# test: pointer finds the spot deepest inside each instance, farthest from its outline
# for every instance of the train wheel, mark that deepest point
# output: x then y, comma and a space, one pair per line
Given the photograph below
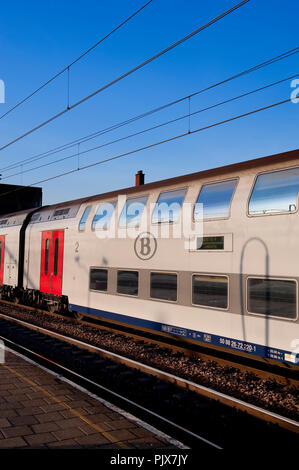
78, 315
51, 308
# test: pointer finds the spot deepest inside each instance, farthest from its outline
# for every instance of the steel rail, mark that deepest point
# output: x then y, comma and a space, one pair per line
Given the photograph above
253, 410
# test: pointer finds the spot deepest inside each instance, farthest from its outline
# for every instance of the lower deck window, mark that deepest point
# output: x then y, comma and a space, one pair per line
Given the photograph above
98, 279
127, 282
210, 291
273, 297
164, 286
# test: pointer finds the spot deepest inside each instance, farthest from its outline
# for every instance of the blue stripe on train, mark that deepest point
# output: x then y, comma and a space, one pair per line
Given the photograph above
222, 341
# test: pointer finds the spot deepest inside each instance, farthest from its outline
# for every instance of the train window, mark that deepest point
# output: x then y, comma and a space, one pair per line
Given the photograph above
275, 192
164, 286
56, 251
84, 218
168, 207
132, 212
61, 212
272, 297
127, 282
210, 291
47, 256
35, 217
98, 279
102, 218
210, 243
216, 199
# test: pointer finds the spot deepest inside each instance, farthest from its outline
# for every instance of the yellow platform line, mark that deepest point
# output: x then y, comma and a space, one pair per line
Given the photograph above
65, 405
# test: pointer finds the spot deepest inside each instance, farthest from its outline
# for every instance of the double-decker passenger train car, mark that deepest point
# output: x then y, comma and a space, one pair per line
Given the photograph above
121, 257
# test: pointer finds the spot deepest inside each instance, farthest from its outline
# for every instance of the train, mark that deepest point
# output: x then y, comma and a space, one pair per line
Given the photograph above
210, 257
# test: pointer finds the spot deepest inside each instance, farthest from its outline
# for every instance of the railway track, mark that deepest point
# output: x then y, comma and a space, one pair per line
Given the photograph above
189, 412
263, 369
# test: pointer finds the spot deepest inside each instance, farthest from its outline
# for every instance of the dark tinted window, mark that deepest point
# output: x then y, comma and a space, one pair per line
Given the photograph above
98, 279
272, 297
56, 251
47, 256
210, 291
60, 212
127, 282
164, 286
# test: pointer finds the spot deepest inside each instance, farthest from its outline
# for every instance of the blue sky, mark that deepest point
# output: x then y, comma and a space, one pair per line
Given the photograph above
38, 39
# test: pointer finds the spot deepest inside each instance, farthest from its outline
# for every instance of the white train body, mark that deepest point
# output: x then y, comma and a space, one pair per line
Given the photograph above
249, 258
10, 231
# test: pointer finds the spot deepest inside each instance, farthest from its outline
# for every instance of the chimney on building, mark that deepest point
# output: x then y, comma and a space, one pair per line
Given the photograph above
139, 178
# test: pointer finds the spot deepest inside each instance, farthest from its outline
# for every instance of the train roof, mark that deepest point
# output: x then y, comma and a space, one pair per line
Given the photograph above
219, 171
15, 218
214, 172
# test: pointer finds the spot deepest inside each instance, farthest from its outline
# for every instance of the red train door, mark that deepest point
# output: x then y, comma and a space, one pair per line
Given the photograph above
52, 262
57, 262
46, 262
2, 245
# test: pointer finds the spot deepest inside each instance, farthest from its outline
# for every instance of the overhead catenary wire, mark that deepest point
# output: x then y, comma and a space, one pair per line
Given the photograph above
93, 135
131, 71
67, 68
149, 146
143, 131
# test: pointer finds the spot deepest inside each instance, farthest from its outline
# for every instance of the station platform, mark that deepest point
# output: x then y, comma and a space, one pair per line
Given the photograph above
40, 410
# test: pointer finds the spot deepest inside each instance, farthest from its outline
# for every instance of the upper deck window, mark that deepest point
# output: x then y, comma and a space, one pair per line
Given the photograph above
102, 218
168, 207
61, 212
132, 212
84, 218
275, 192
216, 199
35, 217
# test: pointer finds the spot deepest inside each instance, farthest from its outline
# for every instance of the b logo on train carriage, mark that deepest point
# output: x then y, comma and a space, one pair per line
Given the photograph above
145, 246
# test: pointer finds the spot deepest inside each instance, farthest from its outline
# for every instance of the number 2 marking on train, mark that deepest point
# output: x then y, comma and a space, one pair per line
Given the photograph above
77, 247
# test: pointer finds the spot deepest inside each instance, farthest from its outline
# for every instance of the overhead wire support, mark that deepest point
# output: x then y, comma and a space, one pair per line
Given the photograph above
89, 137
84, 139
67, 68
131, 71
155, 144
158, 126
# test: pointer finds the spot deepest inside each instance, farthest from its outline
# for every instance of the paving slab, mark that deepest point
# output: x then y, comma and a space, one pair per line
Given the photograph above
37, 409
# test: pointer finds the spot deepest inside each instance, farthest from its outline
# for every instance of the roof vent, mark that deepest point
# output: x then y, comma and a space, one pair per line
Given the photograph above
139, 178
